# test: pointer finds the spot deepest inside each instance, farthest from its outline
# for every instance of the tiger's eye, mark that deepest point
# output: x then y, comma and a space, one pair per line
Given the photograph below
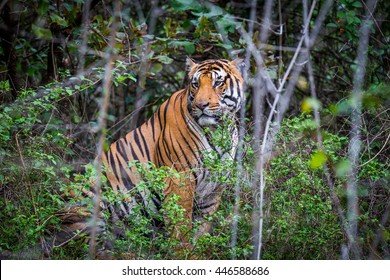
217, 83
195, 84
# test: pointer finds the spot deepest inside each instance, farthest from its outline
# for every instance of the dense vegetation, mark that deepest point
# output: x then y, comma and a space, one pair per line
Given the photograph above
322, 189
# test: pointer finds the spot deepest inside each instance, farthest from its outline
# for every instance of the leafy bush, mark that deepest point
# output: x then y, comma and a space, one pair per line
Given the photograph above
34, 148
302, 220
31, 171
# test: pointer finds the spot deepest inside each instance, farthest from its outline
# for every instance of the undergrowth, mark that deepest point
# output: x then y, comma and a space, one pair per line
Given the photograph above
301, 221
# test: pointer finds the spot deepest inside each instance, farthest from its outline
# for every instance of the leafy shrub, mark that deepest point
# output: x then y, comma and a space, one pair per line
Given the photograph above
302, 221
34, 146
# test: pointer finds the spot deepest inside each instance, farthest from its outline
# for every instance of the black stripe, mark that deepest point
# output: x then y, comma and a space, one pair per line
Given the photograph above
174, 150
136, 139
231, 86
190, 147
112, 165
122, 150
156, 199
232, 98
184, 154
195, 135
224, 79
160, 119
140, 200
191, 131
158, 156
127, 205
165, 150
152, 125
128, 183
199, 140
166, 109
214, 63
238, 86
205, 206
145, 145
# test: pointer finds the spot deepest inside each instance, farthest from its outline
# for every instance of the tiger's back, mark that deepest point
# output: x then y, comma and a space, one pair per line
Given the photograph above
165, 140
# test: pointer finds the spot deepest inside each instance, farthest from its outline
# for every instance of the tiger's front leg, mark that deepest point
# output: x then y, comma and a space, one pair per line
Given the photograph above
178, 208
209, 191
205, 224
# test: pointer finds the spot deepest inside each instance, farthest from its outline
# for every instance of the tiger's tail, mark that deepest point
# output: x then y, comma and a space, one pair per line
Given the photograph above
75, 223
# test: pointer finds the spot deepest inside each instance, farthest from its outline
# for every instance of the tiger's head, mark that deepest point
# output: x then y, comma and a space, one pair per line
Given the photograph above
215, 89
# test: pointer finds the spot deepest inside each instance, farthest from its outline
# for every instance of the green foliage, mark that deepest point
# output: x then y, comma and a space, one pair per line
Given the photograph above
31, 170
33, 144
302, 221
50, 125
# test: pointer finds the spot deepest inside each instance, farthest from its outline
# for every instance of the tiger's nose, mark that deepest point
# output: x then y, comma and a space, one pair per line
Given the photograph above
202, 105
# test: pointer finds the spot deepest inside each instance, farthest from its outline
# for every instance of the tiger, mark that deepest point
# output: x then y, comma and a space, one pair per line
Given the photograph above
174, 137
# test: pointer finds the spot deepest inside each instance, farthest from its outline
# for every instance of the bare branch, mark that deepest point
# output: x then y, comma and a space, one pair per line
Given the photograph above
355, 140
106, 88
241, 133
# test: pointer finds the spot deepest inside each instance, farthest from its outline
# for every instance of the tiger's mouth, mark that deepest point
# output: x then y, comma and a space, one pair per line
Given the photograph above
207, 117
208, 120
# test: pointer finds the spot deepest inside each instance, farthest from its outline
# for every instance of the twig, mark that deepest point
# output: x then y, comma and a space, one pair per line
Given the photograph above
85, 31
241, 133
30, 190
377, 154
328, 178
379, 233
354, 148
107, 81
27, 177
280, 60
267, 142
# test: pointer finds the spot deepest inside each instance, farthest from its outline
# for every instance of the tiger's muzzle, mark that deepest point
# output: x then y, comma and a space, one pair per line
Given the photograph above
205, 116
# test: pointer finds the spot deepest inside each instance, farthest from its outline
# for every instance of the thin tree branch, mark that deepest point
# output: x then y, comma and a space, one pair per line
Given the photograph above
241, 134
354, 148
267, 143
106, 88
334, 198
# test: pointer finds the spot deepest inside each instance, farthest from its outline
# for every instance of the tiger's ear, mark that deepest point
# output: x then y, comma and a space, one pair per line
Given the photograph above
190, 63
239, 64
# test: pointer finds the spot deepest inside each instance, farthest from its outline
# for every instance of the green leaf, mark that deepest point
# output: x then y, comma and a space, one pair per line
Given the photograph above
309, 104
186, 5
157, 67
344, 107
271, 73
188, 46
161, 39
42, 33
228, 23
69, 91
186, 25
317, 160
148, 36
343, 167
226, 46
331, 25
357, 4
213, 12
131, 77
164, 59
59, 20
